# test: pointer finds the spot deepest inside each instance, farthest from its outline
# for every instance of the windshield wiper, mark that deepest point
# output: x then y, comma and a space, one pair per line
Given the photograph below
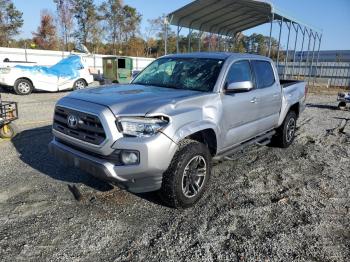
143, 84
168, 86
157, 84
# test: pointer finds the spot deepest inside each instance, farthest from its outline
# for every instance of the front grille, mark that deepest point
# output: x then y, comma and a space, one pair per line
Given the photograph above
87, 128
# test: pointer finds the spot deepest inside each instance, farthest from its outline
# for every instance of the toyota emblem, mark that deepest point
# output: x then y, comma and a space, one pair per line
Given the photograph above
72, 121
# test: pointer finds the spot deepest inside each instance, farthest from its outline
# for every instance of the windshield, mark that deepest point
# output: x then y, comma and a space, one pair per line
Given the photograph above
182, 73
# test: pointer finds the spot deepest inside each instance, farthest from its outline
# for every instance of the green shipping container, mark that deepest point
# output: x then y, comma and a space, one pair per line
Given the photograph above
117, 69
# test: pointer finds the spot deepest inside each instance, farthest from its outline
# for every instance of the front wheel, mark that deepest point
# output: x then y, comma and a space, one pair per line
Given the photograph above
187, 177
8, 131
79, 84
23, 87
286, 132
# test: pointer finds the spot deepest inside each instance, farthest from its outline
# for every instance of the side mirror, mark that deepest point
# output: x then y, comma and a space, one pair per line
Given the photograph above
244, 86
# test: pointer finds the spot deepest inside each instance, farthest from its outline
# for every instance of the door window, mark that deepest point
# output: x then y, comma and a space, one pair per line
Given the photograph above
264, 74
121, 63
239, 72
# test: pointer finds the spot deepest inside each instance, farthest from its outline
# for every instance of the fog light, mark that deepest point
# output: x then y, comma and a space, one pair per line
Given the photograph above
130, 157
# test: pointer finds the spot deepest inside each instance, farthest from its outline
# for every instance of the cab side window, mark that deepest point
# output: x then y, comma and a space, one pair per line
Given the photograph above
239, 72
264, 74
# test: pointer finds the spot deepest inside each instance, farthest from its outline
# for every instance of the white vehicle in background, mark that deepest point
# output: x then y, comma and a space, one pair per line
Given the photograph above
70, 73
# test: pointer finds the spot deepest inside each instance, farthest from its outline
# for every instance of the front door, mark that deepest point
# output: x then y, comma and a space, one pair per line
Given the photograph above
240, 111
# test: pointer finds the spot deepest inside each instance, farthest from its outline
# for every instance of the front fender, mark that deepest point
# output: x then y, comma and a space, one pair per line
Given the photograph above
194, 127
193, 116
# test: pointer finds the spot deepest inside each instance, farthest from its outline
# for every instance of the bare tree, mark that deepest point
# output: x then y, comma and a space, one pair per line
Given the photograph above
65, 19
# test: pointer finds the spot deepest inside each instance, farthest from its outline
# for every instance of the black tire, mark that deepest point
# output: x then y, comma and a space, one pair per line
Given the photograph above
79, 84
174, 179
23, 87
10, 131
342, 105
286, 132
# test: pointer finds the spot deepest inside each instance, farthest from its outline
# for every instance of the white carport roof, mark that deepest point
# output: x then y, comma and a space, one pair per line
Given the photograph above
226, 17
229, 17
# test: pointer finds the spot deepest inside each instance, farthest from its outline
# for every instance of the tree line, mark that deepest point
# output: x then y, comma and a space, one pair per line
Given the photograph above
113, 27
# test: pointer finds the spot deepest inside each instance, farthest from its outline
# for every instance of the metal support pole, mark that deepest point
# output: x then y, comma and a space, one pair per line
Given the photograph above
224, 44
210, 38
318, 54
347, 82
313, 56
189, 39
295, 46
279, 43
332, 67
200, 41
227, 44
287, 51
177, 39
270, 39
166, 22
219, 43
234, 38
25, 51
308, 52
231, 45
302, 51
343, 79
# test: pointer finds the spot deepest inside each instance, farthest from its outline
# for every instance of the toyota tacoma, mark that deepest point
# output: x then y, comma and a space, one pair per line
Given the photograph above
162, 131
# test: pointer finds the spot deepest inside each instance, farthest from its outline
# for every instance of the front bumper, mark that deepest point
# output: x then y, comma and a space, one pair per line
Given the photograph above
155, 157
6, 80
3, 81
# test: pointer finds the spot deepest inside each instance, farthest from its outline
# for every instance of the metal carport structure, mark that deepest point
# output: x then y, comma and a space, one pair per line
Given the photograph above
227, 18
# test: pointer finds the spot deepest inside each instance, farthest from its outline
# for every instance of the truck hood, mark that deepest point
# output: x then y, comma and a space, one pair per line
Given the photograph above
133, 99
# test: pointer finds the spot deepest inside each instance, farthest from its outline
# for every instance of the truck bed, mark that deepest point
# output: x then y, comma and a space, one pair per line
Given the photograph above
286, 83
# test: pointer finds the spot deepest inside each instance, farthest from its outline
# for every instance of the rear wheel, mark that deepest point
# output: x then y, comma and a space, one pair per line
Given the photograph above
23, 87
286, 132
79, 84
187, 177
342, 105
8, 131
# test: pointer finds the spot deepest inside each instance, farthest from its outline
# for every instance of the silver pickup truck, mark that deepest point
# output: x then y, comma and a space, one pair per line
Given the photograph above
162, 131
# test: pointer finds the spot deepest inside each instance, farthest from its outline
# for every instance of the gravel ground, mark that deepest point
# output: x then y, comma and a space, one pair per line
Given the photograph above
266, 204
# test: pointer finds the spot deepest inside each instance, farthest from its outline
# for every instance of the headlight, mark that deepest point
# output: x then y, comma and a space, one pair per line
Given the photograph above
141, 126
5, 70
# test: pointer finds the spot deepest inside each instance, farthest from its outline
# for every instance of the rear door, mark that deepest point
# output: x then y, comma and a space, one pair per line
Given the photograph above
268, 95
240, 113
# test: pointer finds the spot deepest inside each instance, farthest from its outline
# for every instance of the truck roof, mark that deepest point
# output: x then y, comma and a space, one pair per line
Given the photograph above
218, 55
